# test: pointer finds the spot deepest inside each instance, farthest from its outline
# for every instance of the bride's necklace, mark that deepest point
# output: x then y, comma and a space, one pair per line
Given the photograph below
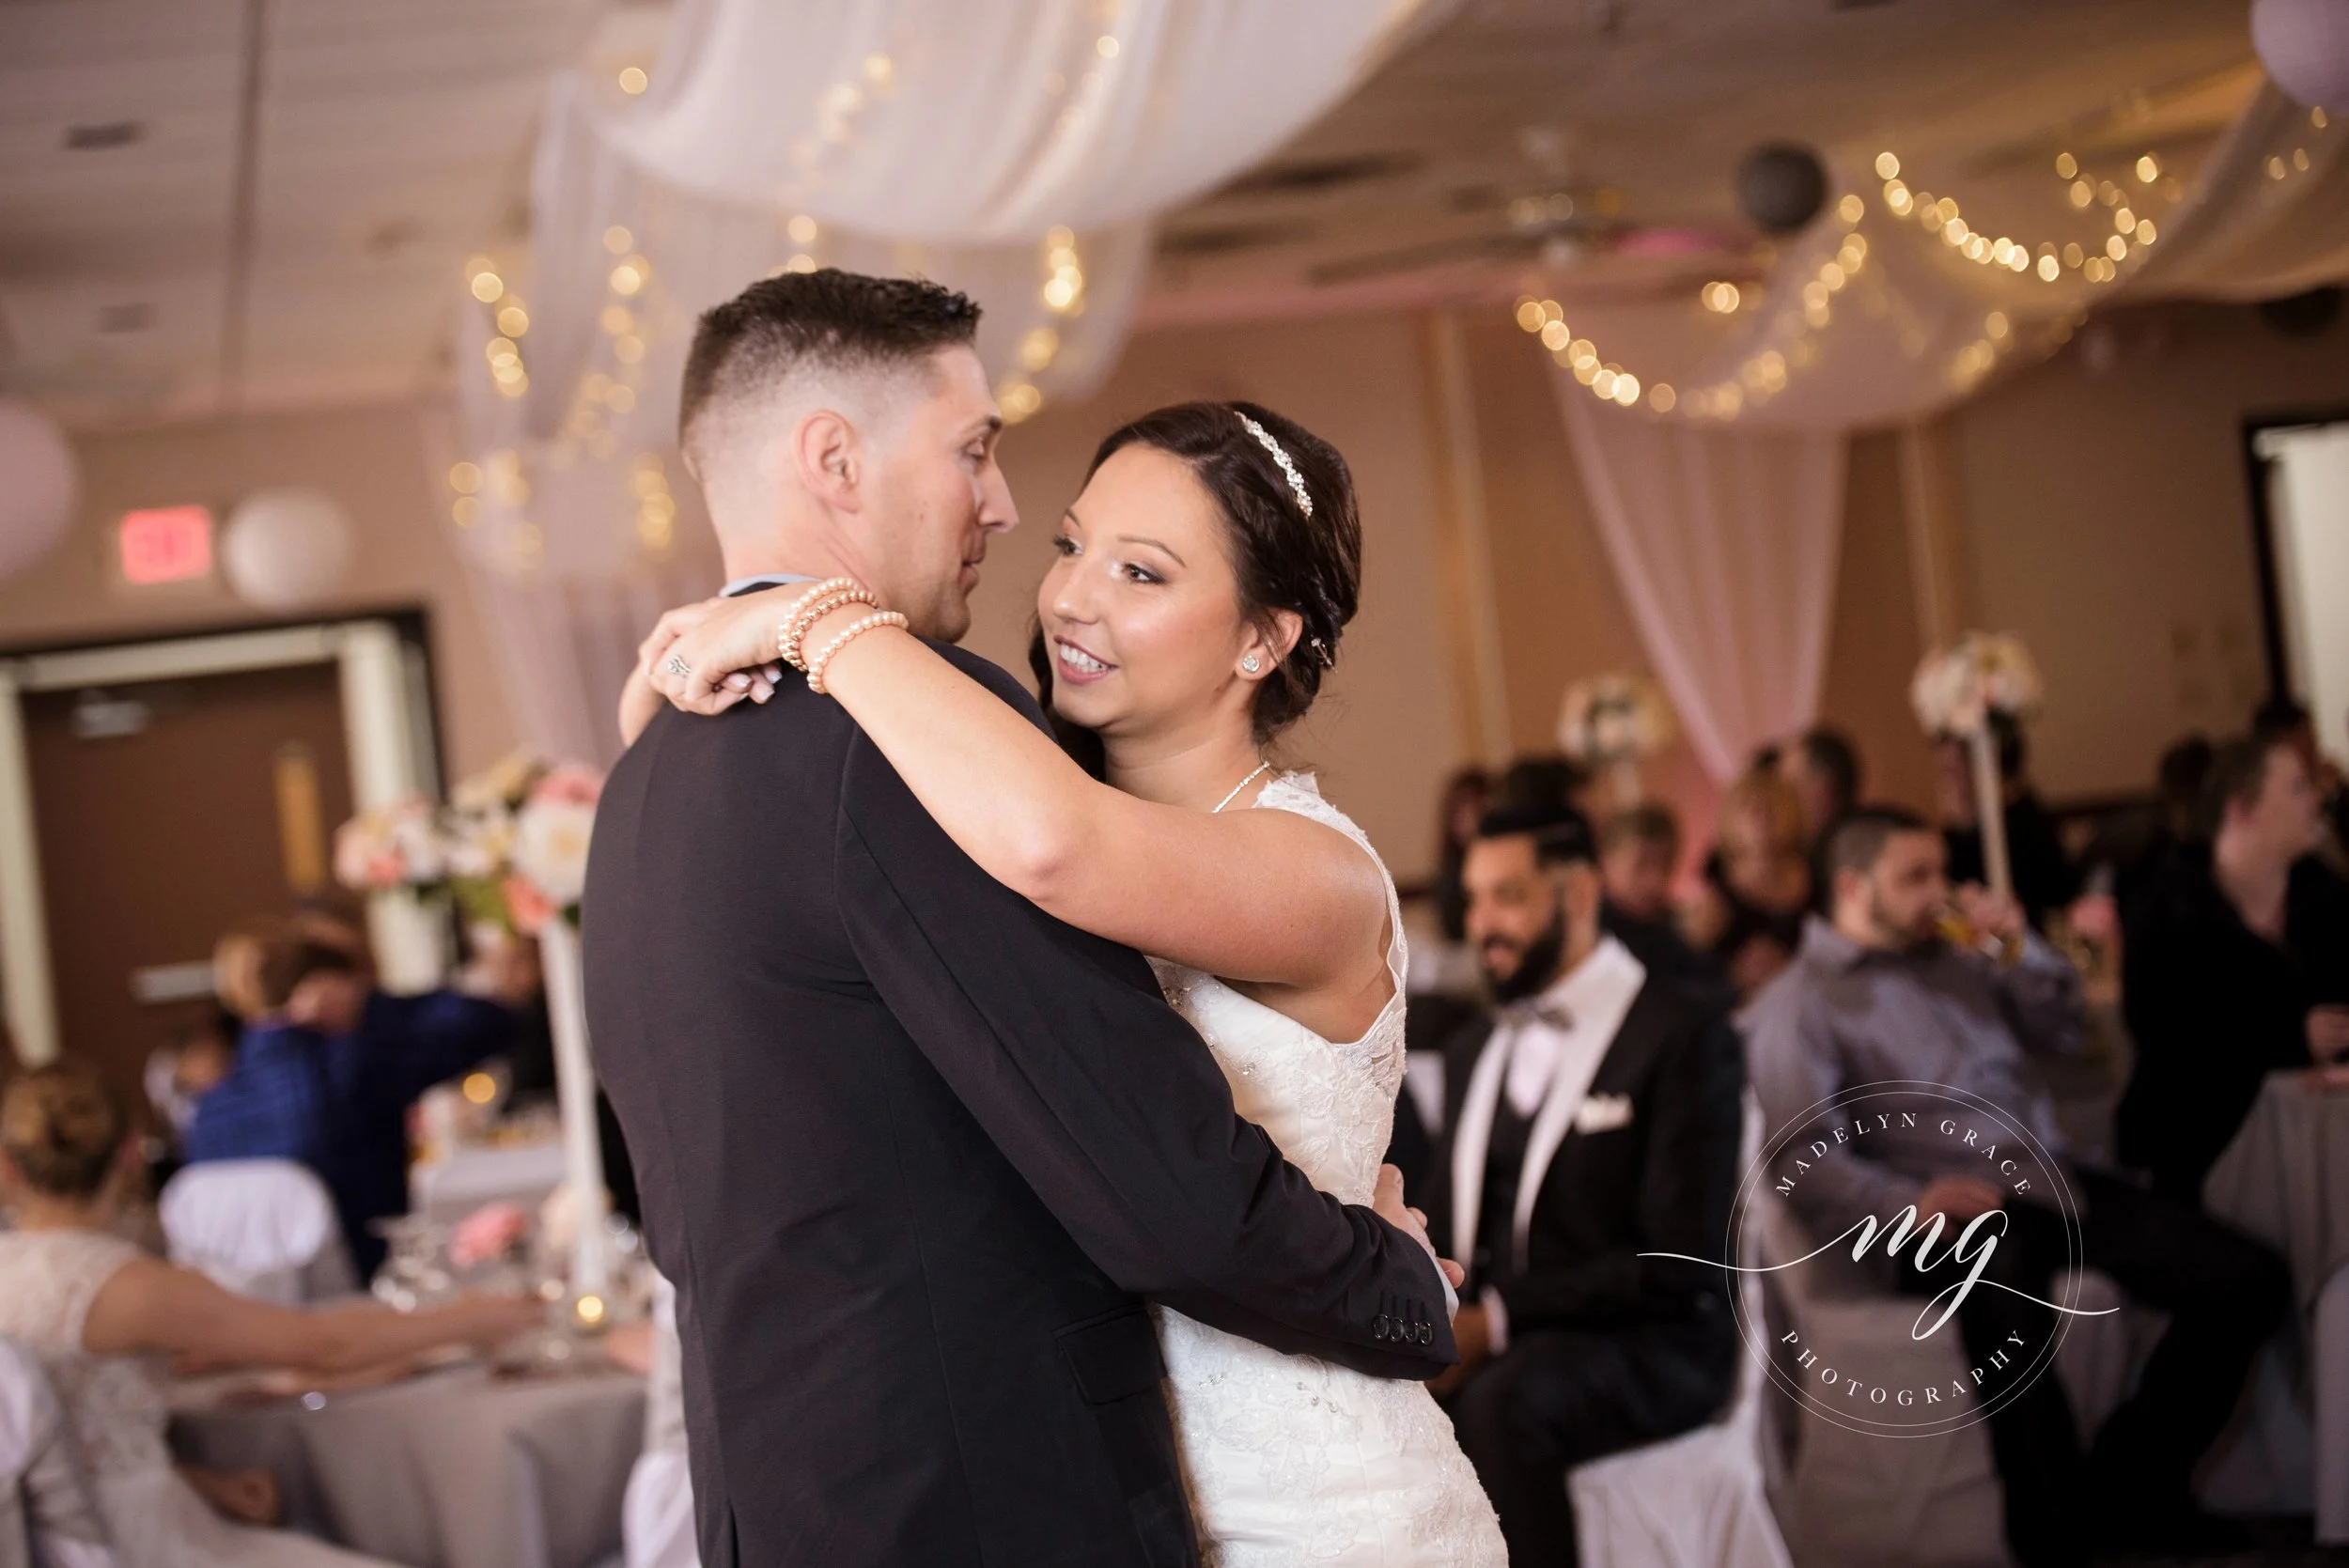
1261, 768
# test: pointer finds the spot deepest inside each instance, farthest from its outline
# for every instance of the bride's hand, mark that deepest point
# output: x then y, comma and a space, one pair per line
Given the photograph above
705, 658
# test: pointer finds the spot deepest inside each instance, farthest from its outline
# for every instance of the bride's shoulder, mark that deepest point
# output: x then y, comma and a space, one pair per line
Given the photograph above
1299, 792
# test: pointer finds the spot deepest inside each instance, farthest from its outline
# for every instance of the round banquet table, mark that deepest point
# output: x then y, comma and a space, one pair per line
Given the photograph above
2285, 1180
456, 1469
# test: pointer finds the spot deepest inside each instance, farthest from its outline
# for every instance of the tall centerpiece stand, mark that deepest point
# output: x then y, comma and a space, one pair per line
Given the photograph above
1955, 693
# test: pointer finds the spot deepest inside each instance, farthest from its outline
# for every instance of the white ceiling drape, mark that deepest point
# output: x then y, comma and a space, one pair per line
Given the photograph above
1725, 543
973, 121
1015, 149
1721, 514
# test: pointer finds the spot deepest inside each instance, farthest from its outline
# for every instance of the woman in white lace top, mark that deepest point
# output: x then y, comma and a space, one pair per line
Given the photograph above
1204, 578
102, 1316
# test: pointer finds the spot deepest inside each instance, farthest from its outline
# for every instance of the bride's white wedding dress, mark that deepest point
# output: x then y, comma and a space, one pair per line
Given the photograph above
1291, 1460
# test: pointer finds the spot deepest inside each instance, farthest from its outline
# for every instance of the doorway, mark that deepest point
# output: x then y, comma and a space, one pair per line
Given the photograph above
153, 793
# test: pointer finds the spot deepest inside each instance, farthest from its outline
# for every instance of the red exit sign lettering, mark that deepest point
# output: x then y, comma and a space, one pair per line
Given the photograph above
165, 544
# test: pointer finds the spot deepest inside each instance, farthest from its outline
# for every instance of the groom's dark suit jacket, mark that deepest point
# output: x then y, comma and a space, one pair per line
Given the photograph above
912, 1152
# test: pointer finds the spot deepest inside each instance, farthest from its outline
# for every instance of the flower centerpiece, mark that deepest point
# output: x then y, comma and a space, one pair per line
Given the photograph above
1958, 693
1607, 723
1958, 687
509, 849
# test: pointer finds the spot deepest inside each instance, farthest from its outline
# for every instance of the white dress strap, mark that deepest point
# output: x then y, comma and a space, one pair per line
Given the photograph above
1301, 792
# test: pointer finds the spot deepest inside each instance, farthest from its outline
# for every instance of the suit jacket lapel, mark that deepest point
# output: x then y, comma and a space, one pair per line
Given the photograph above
1473, 1135
1603, 992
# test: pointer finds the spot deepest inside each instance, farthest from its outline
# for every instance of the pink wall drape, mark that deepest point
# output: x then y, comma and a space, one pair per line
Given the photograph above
1725, 543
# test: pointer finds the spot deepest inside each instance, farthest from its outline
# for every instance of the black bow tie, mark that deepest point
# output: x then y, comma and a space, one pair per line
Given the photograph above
1533, 1010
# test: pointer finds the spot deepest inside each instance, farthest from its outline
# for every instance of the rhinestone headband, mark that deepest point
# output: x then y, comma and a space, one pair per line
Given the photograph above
1281, 455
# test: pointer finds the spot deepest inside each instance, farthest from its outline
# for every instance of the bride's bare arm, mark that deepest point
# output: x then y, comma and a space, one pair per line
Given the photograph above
1266, 896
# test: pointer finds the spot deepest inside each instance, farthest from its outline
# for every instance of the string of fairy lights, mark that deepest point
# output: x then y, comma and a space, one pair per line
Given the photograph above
609, 387
1790, 346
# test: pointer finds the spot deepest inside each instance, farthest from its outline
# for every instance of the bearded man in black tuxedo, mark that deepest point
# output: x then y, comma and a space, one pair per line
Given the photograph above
1595, 1118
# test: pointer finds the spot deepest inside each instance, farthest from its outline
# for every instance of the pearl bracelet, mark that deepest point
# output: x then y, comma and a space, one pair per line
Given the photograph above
849, 634
813, 606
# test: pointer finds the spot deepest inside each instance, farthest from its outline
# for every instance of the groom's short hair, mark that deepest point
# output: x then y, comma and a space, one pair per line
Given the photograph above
798, 325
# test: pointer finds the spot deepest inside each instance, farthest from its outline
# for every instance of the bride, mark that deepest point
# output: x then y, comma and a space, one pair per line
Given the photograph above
1204, 578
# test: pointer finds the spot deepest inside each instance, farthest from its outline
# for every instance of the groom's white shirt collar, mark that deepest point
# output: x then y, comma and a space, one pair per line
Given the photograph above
756, 581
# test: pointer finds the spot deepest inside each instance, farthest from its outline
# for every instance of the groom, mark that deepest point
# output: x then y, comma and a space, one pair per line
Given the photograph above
912, 1150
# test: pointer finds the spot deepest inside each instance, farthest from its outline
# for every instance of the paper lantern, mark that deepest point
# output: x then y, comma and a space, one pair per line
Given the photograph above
43, 487
285, 548
2305, 46
1781, 186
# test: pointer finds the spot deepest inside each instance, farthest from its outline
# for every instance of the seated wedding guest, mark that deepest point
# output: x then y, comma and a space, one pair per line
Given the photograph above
1875, 995
183, 1072
2291, 722
2236, 965
328, 1066
1544, 782
1823, 766
1747, 916
1594, 1119
2045, 877
99, 1315
2166, 839
1638, 853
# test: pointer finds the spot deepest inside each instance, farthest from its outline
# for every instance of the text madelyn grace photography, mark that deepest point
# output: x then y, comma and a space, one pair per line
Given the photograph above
1945, 1261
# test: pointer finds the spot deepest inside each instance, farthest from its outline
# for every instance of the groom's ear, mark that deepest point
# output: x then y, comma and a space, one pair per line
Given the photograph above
829, 458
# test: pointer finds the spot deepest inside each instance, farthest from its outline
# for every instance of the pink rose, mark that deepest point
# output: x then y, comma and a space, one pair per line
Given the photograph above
529, 909
488, 1234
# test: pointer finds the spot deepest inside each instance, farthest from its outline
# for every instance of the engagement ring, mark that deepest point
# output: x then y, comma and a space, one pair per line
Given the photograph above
678, 666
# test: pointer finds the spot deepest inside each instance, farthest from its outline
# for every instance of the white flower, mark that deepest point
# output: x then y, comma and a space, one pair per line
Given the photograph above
1958, 689
480, 843
551, 847
395, 846
1610, 718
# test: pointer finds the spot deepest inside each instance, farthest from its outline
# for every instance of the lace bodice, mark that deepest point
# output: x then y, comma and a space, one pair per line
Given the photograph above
1330, 1107
1291, 1460
114, 1404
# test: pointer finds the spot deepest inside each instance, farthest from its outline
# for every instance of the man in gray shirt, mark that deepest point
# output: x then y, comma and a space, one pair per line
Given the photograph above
1876, 996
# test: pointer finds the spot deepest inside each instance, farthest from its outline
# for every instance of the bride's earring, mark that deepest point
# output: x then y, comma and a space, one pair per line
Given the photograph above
1251, 664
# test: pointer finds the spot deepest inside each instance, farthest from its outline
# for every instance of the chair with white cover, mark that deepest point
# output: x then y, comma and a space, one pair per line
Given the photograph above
1931, 1501
1700, 1499
47, 1515
262, 1228
658, 1514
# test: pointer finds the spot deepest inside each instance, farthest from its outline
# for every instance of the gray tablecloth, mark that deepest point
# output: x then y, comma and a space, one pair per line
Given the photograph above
456, 1469
2285, 1179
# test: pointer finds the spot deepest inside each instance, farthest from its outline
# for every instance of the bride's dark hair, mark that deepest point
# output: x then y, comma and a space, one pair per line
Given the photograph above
1284, 559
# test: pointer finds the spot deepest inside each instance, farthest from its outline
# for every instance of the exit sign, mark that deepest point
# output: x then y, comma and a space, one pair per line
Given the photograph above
165, 544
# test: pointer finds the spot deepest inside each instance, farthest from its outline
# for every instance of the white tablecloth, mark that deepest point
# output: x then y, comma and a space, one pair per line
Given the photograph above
456, 1469
449, 1189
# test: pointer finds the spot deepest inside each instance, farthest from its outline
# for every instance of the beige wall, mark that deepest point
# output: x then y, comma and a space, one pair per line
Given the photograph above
369, 458
2102, 516
2106, 517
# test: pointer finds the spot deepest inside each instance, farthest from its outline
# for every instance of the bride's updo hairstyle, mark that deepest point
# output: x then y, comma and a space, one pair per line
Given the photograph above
60, 1126
1284, 557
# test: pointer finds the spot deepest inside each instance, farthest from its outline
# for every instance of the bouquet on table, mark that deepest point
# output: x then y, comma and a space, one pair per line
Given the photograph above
1608, 722
510, 847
